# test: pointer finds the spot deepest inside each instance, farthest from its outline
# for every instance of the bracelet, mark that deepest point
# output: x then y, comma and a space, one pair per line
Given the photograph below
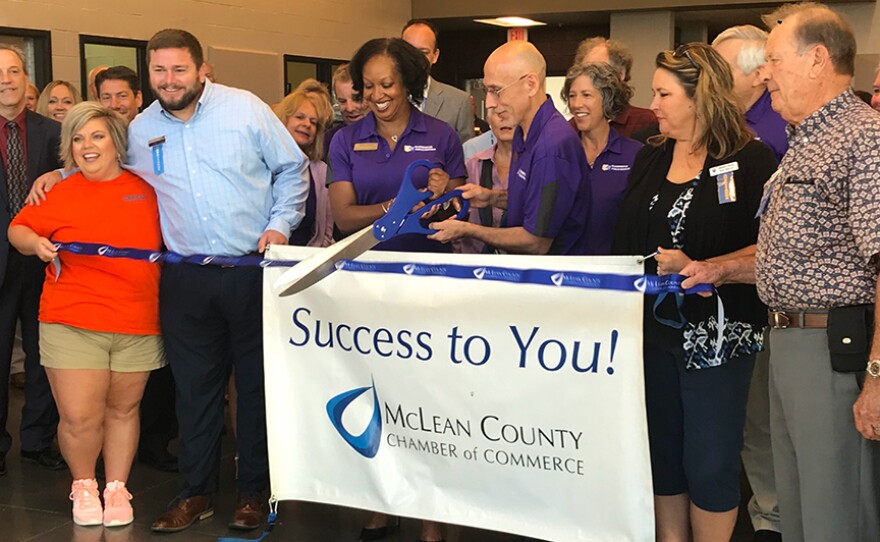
387, 205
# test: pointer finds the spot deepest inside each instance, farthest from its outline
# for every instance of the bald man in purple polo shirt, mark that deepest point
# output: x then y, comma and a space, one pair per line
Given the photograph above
546, 204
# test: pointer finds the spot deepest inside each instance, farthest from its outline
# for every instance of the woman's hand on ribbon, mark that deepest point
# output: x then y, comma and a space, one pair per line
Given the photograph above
671, 261
45, 249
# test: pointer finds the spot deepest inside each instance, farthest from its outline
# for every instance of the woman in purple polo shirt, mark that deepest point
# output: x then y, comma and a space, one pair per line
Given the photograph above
369, 157
693, 193
595, 95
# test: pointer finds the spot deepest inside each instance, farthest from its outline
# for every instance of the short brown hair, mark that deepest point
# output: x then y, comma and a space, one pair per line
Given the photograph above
81, 114
619, 56
174, 38
817, 24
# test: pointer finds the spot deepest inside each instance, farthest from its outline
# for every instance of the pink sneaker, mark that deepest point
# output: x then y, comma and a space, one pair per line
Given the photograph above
117, 509
86, 504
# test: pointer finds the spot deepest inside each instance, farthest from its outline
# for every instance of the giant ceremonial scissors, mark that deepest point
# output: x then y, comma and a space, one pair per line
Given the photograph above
397, 221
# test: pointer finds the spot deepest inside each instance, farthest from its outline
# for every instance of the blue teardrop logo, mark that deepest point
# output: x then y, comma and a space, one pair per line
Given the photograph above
367, 443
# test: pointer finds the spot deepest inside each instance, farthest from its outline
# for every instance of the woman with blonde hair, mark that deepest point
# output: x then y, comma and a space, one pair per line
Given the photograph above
306, 113
31, 96
56, 100
99, 317
693, 193
320, 92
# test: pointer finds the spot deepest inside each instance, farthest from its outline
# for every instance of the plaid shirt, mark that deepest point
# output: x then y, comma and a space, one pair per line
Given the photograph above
820, 231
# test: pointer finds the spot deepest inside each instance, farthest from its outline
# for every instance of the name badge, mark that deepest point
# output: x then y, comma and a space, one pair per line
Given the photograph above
366, 146
726, 187
157, 145
718, 170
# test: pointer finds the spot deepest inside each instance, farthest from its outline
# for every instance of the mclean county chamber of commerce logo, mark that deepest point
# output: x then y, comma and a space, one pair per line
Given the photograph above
367, 443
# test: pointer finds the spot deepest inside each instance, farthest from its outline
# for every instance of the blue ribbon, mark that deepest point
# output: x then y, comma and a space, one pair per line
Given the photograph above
107, 251
647, 284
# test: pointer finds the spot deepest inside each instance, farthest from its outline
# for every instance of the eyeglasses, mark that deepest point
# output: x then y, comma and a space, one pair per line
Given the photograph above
684, 50
496, 92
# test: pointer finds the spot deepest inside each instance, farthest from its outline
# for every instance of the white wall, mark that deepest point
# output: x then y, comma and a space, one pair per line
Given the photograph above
317, 28
645, 33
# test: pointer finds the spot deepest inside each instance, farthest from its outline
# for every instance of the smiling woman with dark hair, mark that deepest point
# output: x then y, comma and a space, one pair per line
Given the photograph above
369, 157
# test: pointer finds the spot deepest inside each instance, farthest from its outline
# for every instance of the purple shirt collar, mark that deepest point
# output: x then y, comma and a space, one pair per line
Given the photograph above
541, 117
366, 127
759, 109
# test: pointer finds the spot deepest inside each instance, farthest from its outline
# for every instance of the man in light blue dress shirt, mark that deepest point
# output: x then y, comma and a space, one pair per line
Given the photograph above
229, 181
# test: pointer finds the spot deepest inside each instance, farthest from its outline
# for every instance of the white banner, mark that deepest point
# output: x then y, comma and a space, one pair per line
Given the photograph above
508, 407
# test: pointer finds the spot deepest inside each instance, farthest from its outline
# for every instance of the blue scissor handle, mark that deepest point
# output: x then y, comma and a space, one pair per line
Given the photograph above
398, 220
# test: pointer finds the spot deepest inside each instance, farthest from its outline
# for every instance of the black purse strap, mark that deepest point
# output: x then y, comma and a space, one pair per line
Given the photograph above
486, 182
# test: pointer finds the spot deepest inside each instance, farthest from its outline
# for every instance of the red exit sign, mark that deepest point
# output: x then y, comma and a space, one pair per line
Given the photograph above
514, 34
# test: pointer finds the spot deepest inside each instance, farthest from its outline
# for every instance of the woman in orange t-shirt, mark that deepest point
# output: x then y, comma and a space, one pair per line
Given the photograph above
99, 317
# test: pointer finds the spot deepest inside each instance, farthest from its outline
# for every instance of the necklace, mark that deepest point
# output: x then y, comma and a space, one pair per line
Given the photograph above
394, 138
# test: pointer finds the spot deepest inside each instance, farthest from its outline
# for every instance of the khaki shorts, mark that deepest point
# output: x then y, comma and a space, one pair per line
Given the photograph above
68, 347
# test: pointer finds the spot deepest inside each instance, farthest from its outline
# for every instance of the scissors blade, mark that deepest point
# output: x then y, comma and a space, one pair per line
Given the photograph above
322, 263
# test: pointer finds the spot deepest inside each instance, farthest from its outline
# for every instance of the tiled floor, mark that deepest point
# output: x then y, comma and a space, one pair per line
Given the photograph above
34, 507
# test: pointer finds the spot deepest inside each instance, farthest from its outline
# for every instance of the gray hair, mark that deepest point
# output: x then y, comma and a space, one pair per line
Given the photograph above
614, 92
81, 114
751, 54
18, 52
817, 24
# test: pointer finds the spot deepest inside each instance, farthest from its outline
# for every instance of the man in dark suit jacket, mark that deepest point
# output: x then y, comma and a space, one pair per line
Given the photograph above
445, 102
29, 146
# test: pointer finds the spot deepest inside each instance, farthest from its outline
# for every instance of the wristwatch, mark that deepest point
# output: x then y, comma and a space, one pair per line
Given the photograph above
873, 368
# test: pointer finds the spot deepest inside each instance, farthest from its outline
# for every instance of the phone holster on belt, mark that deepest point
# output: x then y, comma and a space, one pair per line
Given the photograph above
850, 330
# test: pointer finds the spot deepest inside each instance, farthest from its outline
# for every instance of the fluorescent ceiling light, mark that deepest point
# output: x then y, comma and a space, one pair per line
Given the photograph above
511, 22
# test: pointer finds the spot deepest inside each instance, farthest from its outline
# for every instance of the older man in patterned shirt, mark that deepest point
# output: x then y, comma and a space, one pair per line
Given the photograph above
818, 249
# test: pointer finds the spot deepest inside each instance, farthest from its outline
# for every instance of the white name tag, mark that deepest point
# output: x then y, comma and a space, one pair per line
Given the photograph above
725, 168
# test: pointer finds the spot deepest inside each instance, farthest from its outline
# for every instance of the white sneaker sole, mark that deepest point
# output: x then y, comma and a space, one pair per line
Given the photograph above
119, 522
83, 523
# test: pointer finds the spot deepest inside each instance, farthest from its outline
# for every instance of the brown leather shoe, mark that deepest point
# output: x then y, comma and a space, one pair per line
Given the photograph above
184, 513
249, 514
